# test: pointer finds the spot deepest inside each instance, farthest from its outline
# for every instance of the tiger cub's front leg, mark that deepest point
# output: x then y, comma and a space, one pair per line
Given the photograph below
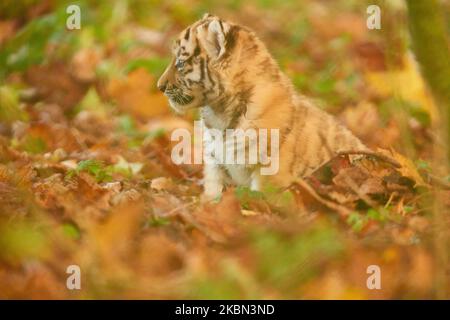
213, 181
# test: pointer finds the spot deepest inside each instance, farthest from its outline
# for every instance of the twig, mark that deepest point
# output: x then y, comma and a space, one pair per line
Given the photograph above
182, 207
438, 182
372, 154
352, 184
391, 197
343, 211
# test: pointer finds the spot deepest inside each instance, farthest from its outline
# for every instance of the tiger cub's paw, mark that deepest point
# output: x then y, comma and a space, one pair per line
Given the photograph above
210, 198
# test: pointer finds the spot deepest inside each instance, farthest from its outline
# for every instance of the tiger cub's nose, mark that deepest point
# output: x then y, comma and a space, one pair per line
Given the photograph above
162, 86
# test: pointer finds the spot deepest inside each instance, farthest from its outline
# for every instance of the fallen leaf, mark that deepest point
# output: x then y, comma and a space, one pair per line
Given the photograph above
407, 167
134, 95
249, 213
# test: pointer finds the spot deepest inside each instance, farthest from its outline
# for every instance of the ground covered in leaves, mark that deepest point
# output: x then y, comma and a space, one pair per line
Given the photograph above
86, 176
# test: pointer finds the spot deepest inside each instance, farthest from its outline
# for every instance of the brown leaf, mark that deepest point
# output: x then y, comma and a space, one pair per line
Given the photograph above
84, 63
56, 85
112, 241
134, 95
407, 167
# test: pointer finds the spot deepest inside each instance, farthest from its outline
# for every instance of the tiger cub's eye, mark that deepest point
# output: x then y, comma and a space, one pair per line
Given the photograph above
179, 65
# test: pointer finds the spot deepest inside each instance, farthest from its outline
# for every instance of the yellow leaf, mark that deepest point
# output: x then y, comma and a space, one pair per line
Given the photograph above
406, 83
407, 167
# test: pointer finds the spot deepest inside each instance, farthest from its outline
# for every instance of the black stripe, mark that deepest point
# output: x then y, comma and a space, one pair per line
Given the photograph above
187, 71
202, 70
300, 121
324, 142
208, 74
188, 31
196, 51
236, 115
197, 48
221, 88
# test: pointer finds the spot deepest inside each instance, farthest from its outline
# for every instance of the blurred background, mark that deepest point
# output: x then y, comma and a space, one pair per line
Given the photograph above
86, 177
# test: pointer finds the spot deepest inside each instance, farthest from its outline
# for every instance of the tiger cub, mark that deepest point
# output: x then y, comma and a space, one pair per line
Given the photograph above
224, 69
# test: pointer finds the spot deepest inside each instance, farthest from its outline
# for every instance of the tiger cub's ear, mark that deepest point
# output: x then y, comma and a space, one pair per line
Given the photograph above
212, 37
207, 15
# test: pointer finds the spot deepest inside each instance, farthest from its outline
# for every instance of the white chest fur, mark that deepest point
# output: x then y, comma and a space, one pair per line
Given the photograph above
239, 173
212, 119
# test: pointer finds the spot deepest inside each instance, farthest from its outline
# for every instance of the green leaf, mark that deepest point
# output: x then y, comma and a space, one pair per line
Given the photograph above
127, 125
284, 261
71, 231
21, 241
29, 46
159, 221
92, 102
357, 221
9, 105
34, 145
422, 164
127, 168
93, 167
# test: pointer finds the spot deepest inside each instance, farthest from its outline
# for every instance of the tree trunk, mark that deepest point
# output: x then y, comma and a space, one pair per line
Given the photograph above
431, 47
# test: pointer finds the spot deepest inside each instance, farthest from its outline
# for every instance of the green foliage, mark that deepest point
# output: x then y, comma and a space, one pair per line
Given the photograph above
214, 289
93, 167
276, 197
231, 282
71, 231
324, 83
14, 9
127, 169
21, 241
377, 215
286, 260
300, 29
358, 221
9, 105
29, 45
394, 106
108, 69
155, 66
422, 164
104, 173
158, 221
300, 81
245, 195
92, 102
157, 133
34, 145
417, 112
127, 125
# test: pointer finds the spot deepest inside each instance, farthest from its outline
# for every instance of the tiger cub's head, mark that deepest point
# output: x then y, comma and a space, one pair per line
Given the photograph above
193, 77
